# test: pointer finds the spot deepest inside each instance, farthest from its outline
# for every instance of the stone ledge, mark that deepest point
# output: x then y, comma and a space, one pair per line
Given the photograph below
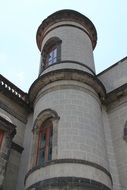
69, 61
73, 161
67, 74
70, 182
116, 94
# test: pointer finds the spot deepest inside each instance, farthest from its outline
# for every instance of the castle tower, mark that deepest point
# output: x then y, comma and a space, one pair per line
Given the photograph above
68, 146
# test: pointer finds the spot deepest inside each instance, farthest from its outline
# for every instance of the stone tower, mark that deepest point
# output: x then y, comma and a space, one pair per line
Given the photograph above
68, 147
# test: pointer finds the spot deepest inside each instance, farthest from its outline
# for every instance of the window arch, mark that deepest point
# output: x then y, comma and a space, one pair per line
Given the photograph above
45, 133
51, 52
44, 148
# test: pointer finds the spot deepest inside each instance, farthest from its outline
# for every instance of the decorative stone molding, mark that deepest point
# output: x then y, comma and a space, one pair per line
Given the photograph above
116, 94
12, 91
74, 62
45, 114
69, 183
66, 15
73, 161
12, 112
66, 74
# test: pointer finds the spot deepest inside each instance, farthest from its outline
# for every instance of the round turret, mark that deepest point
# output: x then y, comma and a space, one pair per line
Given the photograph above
66, 37
68, 146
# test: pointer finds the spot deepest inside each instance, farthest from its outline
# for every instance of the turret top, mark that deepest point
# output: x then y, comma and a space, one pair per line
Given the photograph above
66, 15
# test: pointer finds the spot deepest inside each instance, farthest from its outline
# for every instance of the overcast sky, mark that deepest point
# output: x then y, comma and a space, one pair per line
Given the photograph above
19, 20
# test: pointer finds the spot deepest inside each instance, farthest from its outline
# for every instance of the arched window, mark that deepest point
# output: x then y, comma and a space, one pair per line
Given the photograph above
45, 134
51, 53
44, 149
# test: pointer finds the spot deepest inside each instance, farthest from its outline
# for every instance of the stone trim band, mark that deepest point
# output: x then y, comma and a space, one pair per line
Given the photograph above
66, 15
66, 25
70, 61
72, 161
68, 181
66, 74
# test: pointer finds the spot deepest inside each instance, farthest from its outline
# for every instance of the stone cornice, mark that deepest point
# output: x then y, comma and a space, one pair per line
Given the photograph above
66, 74
11, 111
116, 94
9, 89
66, 15
112, 66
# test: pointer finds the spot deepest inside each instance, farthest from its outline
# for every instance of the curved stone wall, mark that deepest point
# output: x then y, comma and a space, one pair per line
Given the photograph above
76, 46
80, 134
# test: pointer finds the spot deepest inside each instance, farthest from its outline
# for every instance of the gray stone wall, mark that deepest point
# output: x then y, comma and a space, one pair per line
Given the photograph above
12, 170
24, 164
115, 76
80, 124
76, 45
80, 132
110, 151
117, 112
17, 114
4, 156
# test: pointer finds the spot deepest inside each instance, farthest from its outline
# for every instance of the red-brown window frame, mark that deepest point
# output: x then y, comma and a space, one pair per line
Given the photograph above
47, 129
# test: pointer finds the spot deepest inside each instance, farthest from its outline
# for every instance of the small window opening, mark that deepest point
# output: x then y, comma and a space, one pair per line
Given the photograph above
51, 53
44, 149
51, 56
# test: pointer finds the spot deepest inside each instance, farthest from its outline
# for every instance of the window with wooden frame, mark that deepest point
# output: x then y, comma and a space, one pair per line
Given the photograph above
44, 149
51, 53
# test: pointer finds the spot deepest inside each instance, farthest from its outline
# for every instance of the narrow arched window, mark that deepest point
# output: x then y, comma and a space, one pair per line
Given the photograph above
51, 53
44, 149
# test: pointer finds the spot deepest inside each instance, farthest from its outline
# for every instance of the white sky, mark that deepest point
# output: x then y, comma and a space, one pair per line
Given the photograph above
19, 20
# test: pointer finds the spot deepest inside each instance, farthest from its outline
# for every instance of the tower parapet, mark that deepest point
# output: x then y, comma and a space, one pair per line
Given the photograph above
66, 37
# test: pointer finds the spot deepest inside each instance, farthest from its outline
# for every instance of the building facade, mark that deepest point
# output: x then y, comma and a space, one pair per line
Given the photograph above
70, 130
